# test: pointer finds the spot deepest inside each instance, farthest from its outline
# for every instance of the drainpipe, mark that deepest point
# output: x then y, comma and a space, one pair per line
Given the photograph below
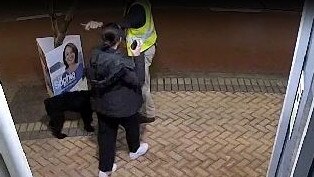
14, 159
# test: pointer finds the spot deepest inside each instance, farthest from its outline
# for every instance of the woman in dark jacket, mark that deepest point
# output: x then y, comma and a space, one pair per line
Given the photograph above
116, 88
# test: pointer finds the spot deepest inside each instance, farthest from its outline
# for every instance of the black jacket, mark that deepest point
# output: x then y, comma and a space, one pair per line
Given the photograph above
116, 87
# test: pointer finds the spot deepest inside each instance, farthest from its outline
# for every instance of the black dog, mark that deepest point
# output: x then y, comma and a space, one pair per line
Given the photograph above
78, 101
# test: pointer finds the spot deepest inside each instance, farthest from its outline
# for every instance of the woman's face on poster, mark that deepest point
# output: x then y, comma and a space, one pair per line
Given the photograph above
69, 55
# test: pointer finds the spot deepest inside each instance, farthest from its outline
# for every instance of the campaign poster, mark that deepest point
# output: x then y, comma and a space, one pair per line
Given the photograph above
63, 66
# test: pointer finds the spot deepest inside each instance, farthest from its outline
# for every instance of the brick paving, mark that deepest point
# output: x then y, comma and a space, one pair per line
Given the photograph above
210, 133
26, 97
219, 82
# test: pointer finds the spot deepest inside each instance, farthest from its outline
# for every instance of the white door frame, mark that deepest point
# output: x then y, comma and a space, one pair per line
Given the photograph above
299, 56
10, 146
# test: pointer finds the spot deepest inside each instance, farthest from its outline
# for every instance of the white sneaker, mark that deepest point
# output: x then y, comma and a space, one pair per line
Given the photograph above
114, 167
103, 174
140, 151
108, 173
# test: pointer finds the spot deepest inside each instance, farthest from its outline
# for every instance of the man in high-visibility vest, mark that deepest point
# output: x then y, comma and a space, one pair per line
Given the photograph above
139, 25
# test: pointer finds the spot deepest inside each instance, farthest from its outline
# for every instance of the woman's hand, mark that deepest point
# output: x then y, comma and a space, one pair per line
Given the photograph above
92, 25
137, 50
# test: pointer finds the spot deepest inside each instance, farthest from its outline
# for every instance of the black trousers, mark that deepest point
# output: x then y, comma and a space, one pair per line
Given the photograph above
78, 101
107, 136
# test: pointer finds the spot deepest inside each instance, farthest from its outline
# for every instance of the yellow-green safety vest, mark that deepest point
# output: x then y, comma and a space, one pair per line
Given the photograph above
147, 33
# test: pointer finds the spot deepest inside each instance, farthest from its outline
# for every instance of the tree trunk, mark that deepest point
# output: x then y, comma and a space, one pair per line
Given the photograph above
60, 30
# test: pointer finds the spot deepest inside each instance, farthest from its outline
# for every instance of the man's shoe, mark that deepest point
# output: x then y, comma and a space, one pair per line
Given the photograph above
143, 119
89, 128
140, 151
56, 133
59, 135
